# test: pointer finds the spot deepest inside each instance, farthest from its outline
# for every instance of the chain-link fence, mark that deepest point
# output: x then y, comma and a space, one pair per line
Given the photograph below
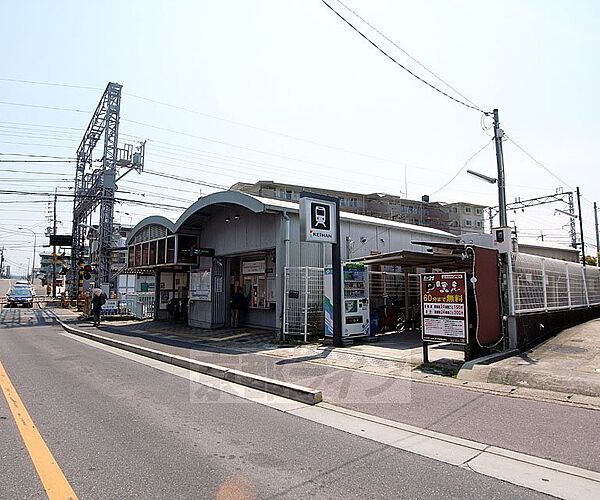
303, 304
542, 284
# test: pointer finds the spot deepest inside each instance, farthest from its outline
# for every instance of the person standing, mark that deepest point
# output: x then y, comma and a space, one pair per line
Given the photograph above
238, 302
98, 300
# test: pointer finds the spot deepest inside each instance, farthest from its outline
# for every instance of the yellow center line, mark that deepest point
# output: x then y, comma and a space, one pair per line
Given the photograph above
54, 481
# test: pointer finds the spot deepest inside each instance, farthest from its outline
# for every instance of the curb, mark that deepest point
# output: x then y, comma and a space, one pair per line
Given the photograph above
276, 387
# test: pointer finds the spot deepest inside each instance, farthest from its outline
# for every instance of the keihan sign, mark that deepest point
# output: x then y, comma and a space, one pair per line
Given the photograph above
318, 219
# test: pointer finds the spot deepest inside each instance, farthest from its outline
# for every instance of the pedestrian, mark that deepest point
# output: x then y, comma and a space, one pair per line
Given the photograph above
238, 302
98, 300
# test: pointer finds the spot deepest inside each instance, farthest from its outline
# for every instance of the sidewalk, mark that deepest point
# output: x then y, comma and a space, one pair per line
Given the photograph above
394, 350
567, 363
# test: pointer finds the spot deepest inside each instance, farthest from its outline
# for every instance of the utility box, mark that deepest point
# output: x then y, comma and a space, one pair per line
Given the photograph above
355, 300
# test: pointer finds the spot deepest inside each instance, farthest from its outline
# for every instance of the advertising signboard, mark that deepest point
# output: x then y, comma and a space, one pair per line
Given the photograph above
444, 307
200, 284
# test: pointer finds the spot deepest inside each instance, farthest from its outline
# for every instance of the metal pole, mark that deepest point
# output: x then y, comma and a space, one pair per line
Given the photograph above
54, 251
580, 226
336, 262
33, 262
305, 303
597, 236
498, 134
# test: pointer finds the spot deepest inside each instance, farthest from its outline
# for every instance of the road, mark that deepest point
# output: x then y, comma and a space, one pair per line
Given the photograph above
121, 429
5, 285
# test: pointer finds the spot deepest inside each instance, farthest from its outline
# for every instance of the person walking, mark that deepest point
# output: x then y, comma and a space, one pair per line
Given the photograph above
98, 300
238, 302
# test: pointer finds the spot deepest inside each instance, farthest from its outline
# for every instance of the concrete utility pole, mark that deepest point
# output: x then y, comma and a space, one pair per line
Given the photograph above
54, 249
597, 236
34, 246
580, 225
498, 134
506, 291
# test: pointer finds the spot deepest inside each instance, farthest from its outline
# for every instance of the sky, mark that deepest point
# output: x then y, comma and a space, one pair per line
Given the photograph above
245, 90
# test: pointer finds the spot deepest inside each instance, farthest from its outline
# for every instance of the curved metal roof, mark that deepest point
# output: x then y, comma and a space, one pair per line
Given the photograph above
257, 205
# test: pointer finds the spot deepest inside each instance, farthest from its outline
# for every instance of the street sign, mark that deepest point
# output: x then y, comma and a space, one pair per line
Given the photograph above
318, 220
203, 252
444, 307
61, 240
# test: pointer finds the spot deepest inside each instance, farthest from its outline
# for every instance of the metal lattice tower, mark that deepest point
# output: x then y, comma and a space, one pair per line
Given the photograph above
559, 196
96, 186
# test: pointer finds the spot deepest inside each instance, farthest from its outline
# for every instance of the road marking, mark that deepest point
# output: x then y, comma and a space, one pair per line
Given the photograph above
546, 476
54, 481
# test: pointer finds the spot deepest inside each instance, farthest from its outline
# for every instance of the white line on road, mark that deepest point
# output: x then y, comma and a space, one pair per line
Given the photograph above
545, 476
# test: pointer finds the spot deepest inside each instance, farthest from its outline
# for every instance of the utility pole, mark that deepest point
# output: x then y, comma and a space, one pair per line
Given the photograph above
597, 236
54, 250
2, 263
498, 134
580, 225
506, 291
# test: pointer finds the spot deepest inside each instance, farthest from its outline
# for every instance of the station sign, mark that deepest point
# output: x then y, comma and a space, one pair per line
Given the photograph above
444, 307
318, 220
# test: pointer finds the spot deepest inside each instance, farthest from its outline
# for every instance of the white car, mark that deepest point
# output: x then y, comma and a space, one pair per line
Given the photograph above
24, 284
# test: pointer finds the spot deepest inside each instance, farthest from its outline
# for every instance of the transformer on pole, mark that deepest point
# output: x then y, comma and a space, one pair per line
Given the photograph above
95, 185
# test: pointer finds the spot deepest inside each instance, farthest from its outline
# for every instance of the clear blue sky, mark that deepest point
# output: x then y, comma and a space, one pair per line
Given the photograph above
292, 67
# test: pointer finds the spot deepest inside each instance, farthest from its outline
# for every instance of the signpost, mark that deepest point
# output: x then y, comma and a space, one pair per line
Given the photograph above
320, 223
444, 309
61, 240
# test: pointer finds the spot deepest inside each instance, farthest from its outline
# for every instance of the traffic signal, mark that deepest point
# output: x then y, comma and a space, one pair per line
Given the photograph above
87, 272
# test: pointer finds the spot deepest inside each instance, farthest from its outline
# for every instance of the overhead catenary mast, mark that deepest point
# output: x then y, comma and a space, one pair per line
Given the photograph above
96, 186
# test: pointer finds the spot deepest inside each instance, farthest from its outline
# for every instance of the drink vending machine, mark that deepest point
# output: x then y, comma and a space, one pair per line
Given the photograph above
355, 300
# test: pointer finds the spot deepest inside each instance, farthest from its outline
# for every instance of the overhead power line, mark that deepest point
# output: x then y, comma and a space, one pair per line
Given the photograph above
391, 58
463, 167
212, 117
24, 105
416, 61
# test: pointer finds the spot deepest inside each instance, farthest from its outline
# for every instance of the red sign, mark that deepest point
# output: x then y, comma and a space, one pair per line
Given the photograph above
444, 307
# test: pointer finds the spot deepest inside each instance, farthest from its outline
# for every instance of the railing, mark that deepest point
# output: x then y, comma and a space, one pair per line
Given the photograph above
542, 284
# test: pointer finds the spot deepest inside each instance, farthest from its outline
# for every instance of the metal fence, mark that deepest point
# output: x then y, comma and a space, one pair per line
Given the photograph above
303, 301
542, 284
141, 304
303, 312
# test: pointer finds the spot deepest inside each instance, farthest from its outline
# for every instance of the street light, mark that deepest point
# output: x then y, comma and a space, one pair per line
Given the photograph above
491, 180
34, 245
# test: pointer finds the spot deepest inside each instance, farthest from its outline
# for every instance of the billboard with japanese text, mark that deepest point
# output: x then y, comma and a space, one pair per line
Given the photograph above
444, 307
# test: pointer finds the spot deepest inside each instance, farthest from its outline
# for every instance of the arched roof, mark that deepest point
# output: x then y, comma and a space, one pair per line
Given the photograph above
221, 198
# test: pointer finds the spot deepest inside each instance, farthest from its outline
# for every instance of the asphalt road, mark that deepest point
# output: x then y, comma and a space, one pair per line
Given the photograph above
5, 285
121, 429
566, 434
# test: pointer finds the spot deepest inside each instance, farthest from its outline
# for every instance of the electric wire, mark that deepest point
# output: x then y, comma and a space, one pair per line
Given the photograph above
462, 168
422, 80
439, 78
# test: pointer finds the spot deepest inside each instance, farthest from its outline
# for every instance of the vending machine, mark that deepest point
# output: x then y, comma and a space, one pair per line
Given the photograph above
355, 300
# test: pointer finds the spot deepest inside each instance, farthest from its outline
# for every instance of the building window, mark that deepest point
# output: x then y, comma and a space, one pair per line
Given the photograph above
478, 211
467, 223
478, 223
455, 210
468, 210
288, 195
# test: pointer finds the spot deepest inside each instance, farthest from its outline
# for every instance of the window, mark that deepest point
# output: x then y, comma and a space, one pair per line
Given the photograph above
478, 223
478, 211
288, 195
455, 210
468, 223
467, 210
